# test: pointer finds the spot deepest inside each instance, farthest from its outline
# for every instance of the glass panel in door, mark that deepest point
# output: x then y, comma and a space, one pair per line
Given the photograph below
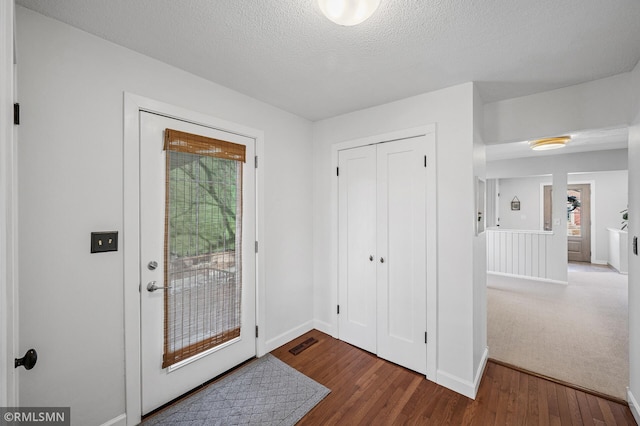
204, 229
574, 227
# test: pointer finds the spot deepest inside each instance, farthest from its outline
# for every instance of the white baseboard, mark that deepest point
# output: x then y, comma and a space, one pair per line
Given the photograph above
526, 277
618, 270
121, 420
288, 336
599, 262
480, 371
325, 327
633, 405
461, 386
456, 384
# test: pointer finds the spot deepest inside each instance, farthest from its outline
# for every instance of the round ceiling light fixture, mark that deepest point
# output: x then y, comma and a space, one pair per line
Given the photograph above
348, 12
549, 143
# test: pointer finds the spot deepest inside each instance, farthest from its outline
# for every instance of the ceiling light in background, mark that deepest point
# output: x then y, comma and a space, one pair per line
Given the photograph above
549, 143
348, 12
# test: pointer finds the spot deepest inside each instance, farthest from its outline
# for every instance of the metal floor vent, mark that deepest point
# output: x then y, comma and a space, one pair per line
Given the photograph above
302, 346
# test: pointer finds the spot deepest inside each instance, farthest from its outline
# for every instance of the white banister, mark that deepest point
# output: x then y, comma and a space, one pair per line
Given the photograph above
519, 252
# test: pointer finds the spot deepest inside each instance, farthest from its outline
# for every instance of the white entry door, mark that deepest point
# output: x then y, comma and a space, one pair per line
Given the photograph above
197, 233
382, 273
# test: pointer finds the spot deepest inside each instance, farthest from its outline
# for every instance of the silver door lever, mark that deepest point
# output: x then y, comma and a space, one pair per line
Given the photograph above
153, 287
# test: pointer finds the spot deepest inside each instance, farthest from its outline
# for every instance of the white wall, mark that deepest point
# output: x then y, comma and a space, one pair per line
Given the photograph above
452, 111
71, 90
583, 162
480, 351
594, 105
634, 231
527, 190
557, 270
609, 197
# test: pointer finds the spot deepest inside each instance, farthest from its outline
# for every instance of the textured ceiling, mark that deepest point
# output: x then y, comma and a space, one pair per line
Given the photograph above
285, 53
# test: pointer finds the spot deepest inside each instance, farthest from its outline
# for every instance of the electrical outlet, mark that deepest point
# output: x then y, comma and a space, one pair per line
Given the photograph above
104, 241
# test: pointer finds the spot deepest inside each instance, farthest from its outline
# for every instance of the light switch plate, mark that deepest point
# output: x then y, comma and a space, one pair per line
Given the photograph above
104, 241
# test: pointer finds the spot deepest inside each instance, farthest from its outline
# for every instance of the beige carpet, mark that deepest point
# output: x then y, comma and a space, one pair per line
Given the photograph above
576, 333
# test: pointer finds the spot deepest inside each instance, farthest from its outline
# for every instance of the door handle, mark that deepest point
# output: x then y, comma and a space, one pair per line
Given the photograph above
151, 287
371, 258
382, 260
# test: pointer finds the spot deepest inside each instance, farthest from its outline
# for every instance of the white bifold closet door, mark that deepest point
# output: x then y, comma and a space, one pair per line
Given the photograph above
382, 250
357, 263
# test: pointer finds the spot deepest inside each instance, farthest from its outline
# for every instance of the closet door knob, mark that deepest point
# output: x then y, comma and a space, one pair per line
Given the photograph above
382, 260
371, 258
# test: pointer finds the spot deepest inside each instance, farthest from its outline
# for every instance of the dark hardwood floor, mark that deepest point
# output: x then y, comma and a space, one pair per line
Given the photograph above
368, 390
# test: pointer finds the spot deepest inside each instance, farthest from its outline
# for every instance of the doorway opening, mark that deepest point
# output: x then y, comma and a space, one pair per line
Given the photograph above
566, 331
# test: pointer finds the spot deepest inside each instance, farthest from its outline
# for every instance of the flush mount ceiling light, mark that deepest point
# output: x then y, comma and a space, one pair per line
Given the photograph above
348, 12
549, 143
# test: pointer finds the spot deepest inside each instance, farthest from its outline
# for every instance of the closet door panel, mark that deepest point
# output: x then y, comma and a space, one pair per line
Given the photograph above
356, 247
401, 246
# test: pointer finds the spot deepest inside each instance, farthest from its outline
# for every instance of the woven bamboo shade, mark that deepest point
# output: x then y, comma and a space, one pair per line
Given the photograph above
203, 244
175, 140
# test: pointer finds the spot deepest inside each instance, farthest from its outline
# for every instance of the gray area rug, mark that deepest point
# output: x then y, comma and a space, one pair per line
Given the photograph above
264, 392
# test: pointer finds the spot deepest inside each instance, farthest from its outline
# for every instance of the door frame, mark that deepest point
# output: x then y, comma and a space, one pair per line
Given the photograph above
133, 104
8, 210
429, 131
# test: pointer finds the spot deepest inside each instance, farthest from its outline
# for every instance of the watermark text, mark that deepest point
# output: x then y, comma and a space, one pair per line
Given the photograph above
29, 416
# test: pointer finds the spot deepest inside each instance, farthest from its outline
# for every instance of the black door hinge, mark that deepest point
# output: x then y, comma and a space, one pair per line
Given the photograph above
425, 337
338, 309
337, 171
16, 113
256, 161
256, 331
425, 161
